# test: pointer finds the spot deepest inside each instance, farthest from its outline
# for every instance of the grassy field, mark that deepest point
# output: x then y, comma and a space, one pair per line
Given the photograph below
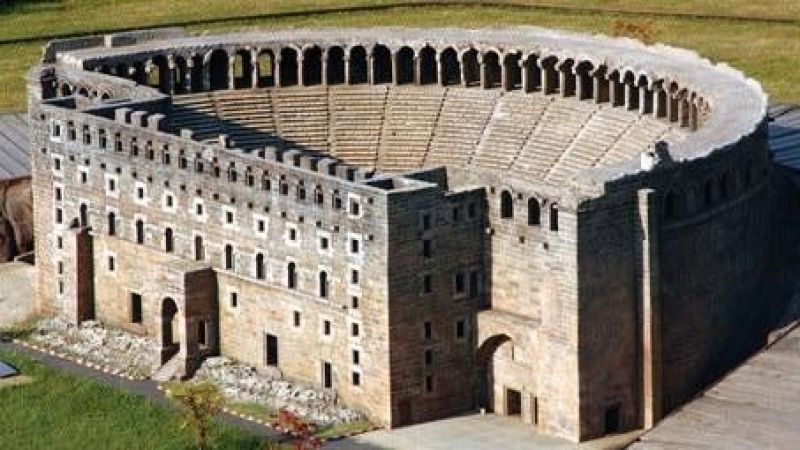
64, 412
768, 51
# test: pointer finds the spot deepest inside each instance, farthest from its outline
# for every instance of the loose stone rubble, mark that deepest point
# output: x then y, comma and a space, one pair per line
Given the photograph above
244, 383
91, 341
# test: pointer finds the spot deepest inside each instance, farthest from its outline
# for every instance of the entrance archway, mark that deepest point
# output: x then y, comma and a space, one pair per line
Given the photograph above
486, 355
169, 344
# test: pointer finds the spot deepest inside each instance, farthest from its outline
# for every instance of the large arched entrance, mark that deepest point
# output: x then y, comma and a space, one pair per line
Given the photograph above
505, 385
486, 365
170, 342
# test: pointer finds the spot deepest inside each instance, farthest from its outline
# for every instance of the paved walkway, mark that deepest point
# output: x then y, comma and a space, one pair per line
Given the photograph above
471, 432
145, 388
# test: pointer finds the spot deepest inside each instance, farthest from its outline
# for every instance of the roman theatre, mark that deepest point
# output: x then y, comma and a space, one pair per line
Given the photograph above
565, 228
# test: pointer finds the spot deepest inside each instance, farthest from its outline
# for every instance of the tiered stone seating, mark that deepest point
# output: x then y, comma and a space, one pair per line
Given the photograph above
599, 134
553, 134
637, 138
303, 117
464, 116
197, 113
411, 113
247, 116
514, 118
356, 122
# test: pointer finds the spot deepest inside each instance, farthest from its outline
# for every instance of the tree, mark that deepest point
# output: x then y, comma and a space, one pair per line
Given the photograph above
199, 402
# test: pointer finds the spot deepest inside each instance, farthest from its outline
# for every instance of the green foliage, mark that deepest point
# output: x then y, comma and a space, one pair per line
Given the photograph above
199, 402
74, 413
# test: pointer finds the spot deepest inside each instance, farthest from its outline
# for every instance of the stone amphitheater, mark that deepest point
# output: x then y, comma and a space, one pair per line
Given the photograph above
566, 228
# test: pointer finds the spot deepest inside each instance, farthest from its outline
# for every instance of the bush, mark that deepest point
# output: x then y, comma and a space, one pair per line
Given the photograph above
199, 402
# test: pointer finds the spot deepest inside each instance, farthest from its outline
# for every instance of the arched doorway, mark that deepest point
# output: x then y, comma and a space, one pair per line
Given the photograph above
486, 355
169, 344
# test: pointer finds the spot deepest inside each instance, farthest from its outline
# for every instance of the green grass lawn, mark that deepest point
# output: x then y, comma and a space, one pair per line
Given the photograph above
65, 412
769, 52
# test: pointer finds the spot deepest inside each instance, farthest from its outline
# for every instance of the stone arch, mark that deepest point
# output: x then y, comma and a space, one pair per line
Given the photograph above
506, 205
471, 68
83, 92
450, 72
404, 63
550, 82
198, 85
381, 64
335, 68
584, 80
427, 66
160, 75
287, 67
534, 212
492, 72
512, 72
312, 66
486, 356
218, 68
242, 69
358, 65
265, 67
169, 316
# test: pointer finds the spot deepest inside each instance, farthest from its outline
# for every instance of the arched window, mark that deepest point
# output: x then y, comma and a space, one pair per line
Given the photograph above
312, 66
288, 67
451, 69
427, 66
84, 215
218, 70
358, 65
566, 79
323, 284
242, 70
554, 217
405, 66
229, 259
261, 273
381, 65
335, 65
266, 68
513, 72
534, 212
112, 224
472, 69
199, 249
492, 74
169, 240
139, 232
506, 205
291, 276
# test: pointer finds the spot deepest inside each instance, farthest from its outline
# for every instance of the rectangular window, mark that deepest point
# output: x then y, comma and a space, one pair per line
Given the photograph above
356, 379
427, 284
354, 301
326, 327
456, 214
426, 222
429, 357
271, 350
460, 329
355, 207
323, 243
458, 283
327, 375
429, 383
136, 308
354, 246
111, 263
234, 297
427, 246
59, 215
296, 318
355, 330
58, 194
428, 331
354, 276
356, 357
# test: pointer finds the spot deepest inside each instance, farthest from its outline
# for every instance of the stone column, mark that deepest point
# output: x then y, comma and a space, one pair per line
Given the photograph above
484, 78
629, 93
231, 72
579, 85
207, 73
504, 76
254, 68
441, 69
395, 68
324, 68
642, 99
171, 75
417, 77
562, 82
188, 74
545, 79
346, 70
300, 73
276, 71
648, 273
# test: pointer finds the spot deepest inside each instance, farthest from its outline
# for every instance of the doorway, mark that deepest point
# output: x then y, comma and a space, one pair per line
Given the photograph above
612, 419
270, 350
513, 402
169, 347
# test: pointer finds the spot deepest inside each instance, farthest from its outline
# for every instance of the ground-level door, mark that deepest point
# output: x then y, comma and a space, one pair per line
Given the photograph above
270, 350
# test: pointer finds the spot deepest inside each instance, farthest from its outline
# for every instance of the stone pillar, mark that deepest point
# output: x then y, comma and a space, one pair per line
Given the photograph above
648, 271
188, 74
370, 69
545, 79
254, 68
504, 76
629, 88
300, 73
417, 77
346, 70
562, 82
207, 74
231, 72
170, 75
440, 70
579, 85
395, 68
276, 71
484, 78
324, 68
643, 100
